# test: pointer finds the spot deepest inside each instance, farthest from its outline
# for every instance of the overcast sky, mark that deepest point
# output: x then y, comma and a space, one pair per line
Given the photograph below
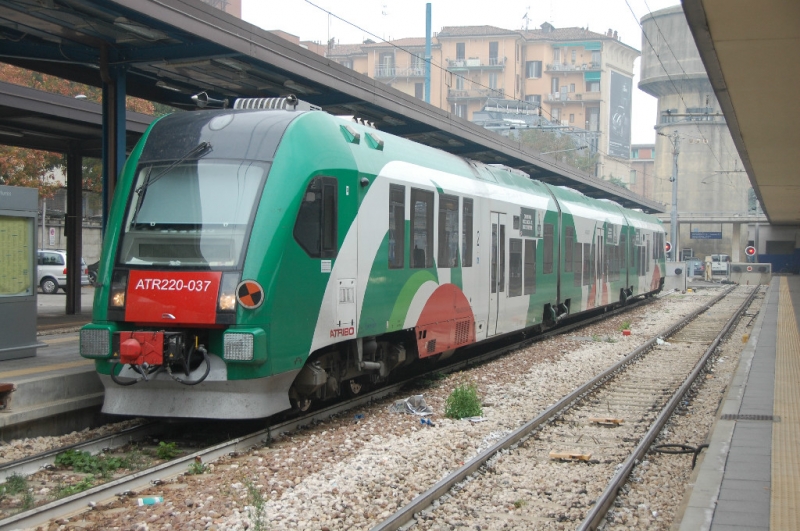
396, 19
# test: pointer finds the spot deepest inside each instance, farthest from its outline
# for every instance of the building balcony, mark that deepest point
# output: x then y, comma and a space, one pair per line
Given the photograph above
474, 94
383, 72
573, 97
475, 62
562, 67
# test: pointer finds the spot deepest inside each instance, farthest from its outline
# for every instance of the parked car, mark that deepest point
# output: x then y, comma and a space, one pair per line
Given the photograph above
93, 272
52, 270
695, 267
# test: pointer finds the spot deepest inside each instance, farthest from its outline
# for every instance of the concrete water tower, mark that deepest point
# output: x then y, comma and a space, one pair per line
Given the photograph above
712, 186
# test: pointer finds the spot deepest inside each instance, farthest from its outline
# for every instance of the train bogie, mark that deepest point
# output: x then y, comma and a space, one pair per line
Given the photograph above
261, 260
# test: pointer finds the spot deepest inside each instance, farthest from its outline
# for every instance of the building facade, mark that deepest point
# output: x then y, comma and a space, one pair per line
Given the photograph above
577, 79
641, 179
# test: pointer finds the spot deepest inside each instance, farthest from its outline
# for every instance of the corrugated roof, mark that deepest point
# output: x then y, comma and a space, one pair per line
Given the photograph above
409, 41
470, 31
346, 49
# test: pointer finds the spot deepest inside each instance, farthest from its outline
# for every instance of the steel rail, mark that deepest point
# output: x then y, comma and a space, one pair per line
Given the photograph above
30, 465
606, 500
424, 500
130, 484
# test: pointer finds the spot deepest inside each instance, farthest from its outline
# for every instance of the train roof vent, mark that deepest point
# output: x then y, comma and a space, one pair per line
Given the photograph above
284, 103
610, 201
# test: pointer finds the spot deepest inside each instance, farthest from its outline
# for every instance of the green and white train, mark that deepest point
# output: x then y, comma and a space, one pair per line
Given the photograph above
260, 259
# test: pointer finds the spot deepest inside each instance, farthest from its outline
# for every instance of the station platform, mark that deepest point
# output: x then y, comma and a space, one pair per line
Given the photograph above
56, 391
749, 477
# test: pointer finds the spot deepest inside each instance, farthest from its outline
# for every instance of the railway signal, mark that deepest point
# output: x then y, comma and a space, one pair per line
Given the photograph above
667, 248
750, 252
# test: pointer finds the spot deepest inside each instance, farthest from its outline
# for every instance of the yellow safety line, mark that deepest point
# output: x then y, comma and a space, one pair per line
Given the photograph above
44, 368
785, 500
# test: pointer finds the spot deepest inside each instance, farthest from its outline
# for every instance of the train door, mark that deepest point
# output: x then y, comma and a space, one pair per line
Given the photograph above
599, 267
498, 271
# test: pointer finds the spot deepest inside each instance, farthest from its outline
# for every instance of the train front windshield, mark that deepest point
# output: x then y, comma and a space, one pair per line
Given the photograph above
193, 214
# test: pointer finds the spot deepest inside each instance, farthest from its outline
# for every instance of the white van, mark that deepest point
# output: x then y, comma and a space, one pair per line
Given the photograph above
720, 264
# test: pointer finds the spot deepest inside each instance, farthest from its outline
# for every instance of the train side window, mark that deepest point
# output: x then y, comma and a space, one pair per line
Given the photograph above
577, 262
587, 263
316, 226
466, 234
623, 247
448, 231
569, 237
421, 228
547, 261
514, 267
397, 226
530, 267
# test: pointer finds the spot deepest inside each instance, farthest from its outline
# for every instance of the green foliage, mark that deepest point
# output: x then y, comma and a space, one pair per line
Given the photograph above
84, 484
463, 402
167, 451
28, 500
626, 325
86, 463
520, 503
567, 147
257, 508
15, 483
619, 182
197, 467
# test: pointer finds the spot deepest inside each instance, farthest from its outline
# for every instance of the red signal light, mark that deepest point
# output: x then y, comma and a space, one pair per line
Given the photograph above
750, 251
667, 246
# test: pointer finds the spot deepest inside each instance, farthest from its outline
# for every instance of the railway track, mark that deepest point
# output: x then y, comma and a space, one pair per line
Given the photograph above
128, 485
578, 453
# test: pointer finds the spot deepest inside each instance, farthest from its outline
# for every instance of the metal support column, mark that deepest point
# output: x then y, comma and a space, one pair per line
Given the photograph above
74, 230
114, 125
673, 215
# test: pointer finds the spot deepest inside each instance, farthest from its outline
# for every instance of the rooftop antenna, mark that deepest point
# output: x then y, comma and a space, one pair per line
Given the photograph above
526, 18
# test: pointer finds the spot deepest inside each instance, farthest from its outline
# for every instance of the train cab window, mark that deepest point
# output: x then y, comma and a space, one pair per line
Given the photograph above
547, 261
466, 233
530, 267
569, 237
421, 228
514, 267
448, 231
316, 226
397, 226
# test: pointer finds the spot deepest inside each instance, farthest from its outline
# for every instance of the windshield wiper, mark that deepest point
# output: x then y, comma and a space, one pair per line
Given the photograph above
198, 150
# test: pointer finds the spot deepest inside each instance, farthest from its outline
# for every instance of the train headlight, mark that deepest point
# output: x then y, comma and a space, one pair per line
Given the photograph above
119, 284
227, 292
95, 342
247, 345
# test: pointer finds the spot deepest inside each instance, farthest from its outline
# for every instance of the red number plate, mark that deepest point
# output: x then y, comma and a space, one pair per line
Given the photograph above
172, 297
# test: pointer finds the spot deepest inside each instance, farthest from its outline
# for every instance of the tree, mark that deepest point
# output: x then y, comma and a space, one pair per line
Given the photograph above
560, 146
34, 169
30, 168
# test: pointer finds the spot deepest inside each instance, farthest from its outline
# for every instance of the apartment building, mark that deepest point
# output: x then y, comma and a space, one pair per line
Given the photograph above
581, 80
641, 179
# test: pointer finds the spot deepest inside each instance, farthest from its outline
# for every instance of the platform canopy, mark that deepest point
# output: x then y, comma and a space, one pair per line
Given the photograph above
172, 49
751, 51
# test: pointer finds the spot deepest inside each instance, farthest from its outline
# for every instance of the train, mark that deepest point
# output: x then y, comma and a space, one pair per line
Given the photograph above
263, 258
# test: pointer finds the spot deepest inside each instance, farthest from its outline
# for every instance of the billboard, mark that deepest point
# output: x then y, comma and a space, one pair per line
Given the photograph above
619, 126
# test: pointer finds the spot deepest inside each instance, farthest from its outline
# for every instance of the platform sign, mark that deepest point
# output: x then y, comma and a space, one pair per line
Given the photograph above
697, 235
16, 256
52, 236
18, 215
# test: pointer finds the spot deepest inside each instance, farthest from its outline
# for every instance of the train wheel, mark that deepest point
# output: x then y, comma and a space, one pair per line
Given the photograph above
301, 404
354, 387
